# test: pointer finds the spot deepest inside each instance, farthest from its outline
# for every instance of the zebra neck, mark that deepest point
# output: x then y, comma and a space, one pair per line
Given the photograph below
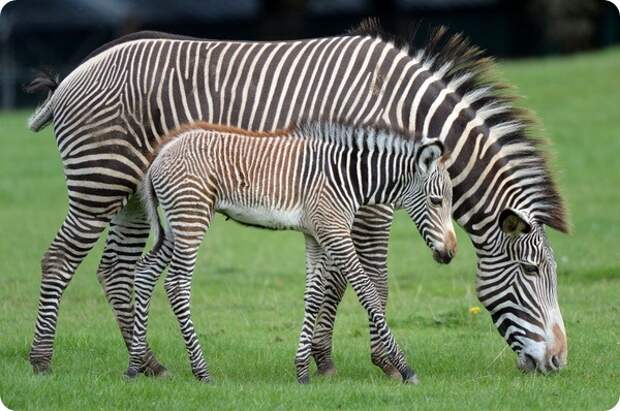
379, 176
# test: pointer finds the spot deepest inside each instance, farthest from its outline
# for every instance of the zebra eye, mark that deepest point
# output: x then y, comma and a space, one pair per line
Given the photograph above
435, 200
529, 268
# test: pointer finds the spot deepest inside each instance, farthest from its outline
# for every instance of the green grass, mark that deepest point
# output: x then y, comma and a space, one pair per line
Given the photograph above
247, 300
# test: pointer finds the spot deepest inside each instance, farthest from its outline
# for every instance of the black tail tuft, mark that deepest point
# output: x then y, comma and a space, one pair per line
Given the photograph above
44, 81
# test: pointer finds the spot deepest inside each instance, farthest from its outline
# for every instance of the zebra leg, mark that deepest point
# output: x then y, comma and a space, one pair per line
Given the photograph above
370, 233
178, 285
74, 240
313, 300
148, 271
342, 251
128, 233
335, 286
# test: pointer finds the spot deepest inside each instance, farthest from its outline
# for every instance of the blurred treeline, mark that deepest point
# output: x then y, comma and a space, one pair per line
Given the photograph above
59, 33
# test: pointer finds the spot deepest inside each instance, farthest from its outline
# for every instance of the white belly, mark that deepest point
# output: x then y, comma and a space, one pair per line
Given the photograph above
262, 217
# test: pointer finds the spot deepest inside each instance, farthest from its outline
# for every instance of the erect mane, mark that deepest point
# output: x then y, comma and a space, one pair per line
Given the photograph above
471, 70
336, 131
343, 132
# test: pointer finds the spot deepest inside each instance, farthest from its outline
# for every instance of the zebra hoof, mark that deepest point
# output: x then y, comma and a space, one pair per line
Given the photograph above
304, 380
40, 362
326, 368
132, 373
41, 368
156, 370
202, 377
390, 371
327, 372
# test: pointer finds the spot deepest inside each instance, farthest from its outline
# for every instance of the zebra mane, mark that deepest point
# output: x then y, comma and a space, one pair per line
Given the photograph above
378, 138
469, 72
203, 125
368, 136
139, 35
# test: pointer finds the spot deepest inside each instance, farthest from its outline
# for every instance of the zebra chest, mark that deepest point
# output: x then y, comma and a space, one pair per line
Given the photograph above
262, 216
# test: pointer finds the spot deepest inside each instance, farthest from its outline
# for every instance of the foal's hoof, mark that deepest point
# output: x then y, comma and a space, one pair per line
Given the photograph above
203, 377
40, 366
304, 380
388, 369
391, 372
41, 369
132, 373
327, 372
326, 368
156, 370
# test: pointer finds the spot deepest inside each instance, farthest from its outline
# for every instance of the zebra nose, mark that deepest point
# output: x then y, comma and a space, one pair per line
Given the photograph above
451, 243
443, 256
557, 351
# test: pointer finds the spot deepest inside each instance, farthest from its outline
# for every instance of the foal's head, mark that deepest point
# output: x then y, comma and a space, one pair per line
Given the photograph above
428, 199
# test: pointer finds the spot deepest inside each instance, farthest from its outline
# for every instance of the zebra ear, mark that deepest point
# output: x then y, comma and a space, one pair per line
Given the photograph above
428, 153
513, 222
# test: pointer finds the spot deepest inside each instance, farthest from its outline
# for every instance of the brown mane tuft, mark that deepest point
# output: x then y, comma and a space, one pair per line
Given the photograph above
220, 128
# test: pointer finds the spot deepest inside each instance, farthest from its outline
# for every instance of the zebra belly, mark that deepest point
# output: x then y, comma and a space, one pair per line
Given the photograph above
263, 217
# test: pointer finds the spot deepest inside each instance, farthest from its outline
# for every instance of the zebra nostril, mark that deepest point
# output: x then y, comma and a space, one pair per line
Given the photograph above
555, 361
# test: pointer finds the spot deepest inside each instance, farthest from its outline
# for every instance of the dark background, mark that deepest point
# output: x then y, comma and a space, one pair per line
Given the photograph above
59, 33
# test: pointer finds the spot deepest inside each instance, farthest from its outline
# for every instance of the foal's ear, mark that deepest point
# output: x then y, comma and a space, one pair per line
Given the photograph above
513, 222
428, 153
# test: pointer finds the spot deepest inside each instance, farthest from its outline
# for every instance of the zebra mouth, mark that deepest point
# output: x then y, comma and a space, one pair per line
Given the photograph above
527, 363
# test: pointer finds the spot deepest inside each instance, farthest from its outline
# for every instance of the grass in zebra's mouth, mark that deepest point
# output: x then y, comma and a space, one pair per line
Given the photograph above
247, 300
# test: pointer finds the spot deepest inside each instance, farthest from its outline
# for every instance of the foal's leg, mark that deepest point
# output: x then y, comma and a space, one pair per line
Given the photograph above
187, 240
128, 233
340, 248
371, 235
148, 271
74, 240
335, 286
371, 229
313, 299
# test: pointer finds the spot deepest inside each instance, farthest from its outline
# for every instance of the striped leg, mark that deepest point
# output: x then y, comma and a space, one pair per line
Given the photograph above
148, 271
187, 239
128, 233
370, 234
335, 285
340, 248
313, 300
74, 240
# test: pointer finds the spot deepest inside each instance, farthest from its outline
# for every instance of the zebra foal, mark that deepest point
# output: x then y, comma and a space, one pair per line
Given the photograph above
311, 178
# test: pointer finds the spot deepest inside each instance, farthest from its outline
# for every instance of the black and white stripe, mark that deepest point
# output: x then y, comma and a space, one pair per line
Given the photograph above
312, 178
112, 110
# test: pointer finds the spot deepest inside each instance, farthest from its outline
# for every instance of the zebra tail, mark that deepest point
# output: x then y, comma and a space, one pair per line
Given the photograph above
43, 115
149, 199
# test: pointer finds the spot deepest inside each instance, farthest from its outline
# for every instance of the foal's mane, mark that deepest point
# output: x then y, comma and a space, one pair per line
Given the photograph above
219, 128
468, 66
328, 130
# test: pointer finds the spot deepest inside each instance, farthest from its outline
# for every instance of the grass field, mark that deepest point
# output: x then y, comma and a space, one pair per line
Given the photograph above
247, 300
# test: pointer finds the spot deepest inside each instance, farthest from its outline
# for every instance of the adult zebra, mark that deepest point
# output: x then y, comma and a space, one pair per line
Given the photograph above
109, 112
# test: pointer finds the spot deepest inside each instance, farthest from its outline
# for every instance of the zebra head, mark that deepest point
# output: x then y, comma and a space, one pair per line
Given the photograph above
429, 200
519, 290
